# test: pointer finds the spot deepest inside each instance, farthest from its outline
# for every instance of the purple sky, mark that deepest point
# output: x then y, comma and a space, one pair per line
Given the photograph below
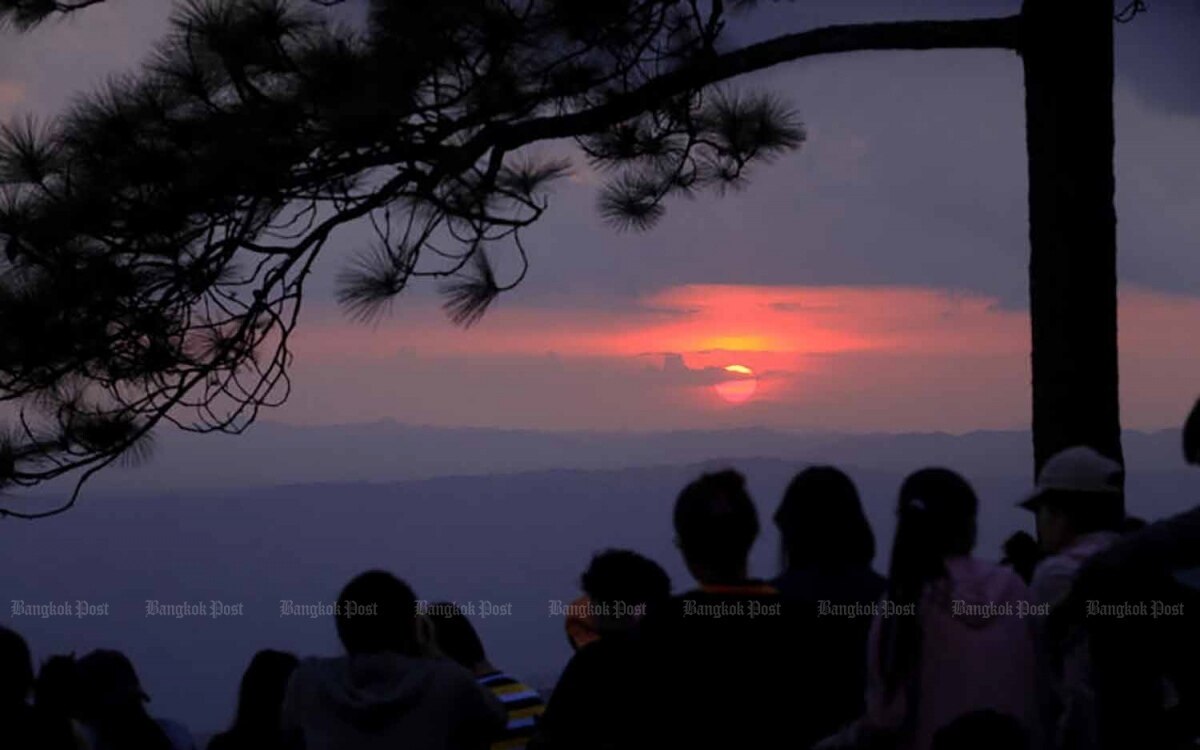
874, 280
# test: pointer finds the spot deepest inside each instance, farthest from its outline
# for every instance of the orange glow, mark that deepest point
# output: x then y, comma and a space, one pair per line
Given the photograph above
739, 344
740, 389
861, 358
767, 328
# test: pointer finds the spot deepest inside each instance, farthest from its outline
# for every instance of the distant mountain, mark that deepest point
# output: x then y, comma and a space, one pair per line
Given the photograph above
273, 454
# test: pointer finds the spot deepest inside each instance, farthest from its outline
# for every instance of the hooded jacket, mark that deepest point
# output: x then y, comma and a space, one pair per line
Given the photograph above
1065, 665
977, 652
389, 700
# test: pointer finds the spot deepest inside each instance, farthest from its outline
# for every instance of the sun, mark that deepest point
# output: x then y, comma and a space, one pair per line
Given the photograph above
739, 388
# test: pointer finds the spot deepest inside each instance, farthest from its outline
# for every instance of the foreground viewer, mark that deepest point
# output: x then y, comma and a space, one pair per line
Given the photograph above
379, 695
256, 724
1146, 670
1078, 507
23, 727
828, 548
615, 578
947, 646
731, 664
56, 695
601, 696
113, 710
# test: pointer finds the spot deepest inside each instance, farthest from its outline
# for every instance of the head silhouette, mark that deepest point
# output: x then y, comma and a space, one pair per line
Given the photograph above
1191, 437
715, 526
377, 613
935, 521
112, 702
108, 682
456, 636
1079, 491
626, 584
57, 688
16, 669
821, 521
260, 695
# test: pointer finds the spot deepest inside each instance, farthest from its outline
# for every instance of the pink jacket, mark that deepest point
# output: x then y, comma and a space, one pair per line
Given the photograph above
977, 653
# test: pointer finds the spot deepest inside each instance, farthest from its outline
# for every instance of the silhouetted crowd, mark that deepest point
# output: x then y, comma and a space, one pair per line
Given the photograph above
1083, 638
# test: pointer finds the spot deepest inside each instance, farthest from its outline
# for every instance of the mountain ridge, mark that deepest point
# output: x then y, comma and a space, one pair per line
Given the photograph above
275, 454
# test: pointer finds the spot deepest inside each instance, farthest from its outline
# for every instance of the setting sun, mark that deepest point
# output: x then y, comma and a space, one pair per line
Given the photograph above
739, 389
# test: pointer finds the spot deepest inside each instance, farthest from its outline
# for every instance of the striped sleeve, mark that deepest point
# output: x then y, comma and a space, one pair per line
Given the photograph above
523, 704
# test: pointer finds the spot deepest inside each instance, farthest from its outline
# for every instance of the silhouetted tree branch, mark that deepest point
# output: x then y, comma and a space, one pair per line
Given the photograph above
25, 14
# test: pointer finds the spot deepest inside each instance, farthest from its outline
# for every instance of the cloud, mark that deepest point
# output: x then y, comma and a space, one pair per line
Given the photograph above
852, 358
709, 320
676, 371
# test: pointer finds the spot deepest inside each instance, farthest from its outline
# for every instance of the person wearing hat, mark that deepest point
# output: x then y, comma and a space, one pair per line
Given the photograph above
1078, 505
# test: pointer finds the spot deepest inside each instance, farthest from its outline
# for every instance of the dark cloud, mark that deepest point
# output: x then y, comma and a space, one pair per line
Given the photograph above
677, 372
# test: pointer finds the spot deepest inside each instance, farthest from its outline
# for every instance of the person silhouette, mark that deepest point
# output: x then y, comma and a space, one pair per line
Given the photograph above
827, 548
113, 711
597, 700
947, 619
1078, 507
56, 694
727, 661
260, 698
619, 586
1146, 668
22, 726
384, 692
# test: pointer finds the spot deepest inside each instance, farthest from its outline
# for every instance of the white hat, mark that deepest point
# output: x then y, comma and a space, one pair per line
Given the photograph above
1078, 469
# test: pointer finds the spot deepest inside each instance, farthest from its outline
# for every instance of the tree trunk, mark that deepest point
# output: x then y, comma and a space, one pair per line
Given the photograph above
1068, 58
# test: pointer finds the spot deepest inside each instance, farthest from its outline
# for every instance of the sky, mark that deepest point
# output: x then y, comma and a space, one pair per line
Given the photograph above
873, 280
